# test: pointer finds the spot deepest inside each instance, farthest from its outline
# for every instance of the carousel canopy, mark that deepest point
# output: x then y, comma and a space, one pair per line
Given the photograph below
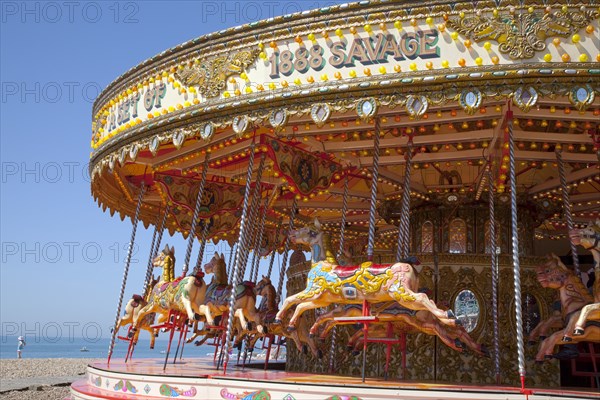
441, 82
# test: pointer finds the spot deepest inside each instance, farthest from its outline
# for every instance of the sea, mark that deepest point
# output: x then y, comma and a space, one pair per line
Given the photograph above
73, 347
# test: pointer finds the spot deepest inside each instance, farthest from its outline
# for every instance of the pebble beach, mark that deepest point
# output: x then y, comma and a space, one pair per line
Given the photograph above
40, 378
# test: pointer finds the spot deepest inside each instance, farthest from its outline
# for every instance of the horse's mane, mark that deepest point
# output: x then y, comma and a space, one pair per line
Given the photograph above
329, 255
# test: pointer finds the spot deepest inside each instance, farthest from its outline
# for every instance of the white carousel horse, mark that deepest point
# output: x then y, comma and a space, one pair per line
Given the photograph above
329, 283
589, 237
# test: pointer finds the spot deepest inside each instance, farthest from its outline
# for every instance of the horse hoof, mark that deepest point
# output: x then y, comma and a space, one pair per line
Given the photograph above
542, 337
355, 353
450, 314
567, 339
131, 333
311, 335
304, 349
578, 332
197, 343
197, 317
319, 354
291, 328
249, 326
531, 343
458, 322
459, 344
349, 348
277, 321
151, 347
548, 357
265, 329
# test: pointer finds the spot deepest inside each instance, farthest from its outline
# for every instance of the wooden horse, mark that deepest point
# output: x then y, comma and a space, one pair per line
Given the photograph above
218, 293
268, 309
329, 283
404, 320
573, 297
185, 294
132, 308
589, 238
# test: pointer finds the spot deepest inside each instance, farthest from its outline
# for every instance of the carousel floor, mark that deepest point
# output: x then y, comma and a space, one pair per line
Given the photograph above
198, 379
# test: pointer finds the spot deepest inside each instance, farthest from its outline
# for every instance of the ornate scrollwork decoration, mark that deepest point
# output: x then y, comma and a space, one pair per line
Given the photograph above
521, 35
211, 75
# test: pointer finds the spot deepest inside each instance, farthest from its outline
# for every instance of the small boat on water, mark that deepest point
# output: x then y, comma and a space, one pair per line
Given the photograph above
83, 349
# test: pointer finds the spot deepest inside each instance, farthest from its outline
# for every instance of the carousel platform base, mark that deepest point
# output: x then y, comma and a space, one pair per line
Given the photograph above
199, 379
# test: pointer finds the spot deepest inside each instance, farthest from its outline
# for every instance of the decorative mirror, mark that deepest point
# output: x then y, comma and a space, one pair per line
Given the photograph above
366, 108
240, 124
525, 98
154, 145
416, 106
582, 97
466, 308
320, 113
470, 100
278, 119
207, 130
178, 139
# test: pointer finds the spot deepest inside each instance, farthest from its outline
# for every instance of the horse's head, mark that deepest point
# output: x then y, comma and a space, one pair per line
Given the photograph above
588, 237
211, 266
168, 253
308, 235
553, 274
263, 284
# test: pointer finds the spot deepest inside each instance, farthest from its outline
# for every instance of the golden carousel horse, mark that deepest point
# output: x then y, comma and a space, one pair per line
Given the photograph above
404, 320
329, 283
185, 294
573, 297
132, 309
589, 238
218, 293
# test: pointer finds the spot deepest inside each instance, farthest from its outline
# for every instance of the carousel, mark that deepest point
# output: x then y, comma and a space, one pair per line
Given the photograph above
410, 192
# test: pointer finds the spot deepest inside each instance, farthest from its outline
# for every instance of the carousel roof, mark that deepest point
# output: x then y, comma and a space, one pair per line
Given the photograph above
310, 91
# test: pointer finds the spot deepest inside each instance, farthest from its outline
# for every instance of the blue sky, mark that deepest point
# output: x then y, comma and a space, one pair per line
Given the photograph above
62, 257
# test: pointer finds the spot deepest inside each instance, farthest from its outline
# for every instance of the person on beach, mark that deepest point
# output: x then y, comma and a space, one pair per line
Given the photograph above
21, 341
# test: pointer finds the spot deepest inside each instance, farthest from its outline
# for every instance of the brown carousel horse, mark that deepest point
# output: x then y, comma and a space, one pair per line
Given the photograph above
218, 293
404, 320
185, 294
589, 237
329, 283
268, 309
573, 297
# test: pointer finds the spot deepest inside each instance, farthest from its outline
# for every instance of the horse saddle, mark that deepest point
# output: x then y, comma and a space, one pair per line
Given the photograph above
137, 299
166, 285
348, 271
218, 293
246, 288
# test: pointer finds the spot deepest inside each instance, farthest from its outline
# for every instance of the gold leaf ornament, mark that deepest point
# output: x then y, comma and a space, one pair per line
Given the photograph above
521, 34
211, 75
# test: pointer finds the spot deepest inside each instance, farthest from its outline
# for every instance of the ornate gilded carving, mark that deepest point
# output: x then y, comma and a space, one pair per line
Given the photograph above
522, 34
211, 75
